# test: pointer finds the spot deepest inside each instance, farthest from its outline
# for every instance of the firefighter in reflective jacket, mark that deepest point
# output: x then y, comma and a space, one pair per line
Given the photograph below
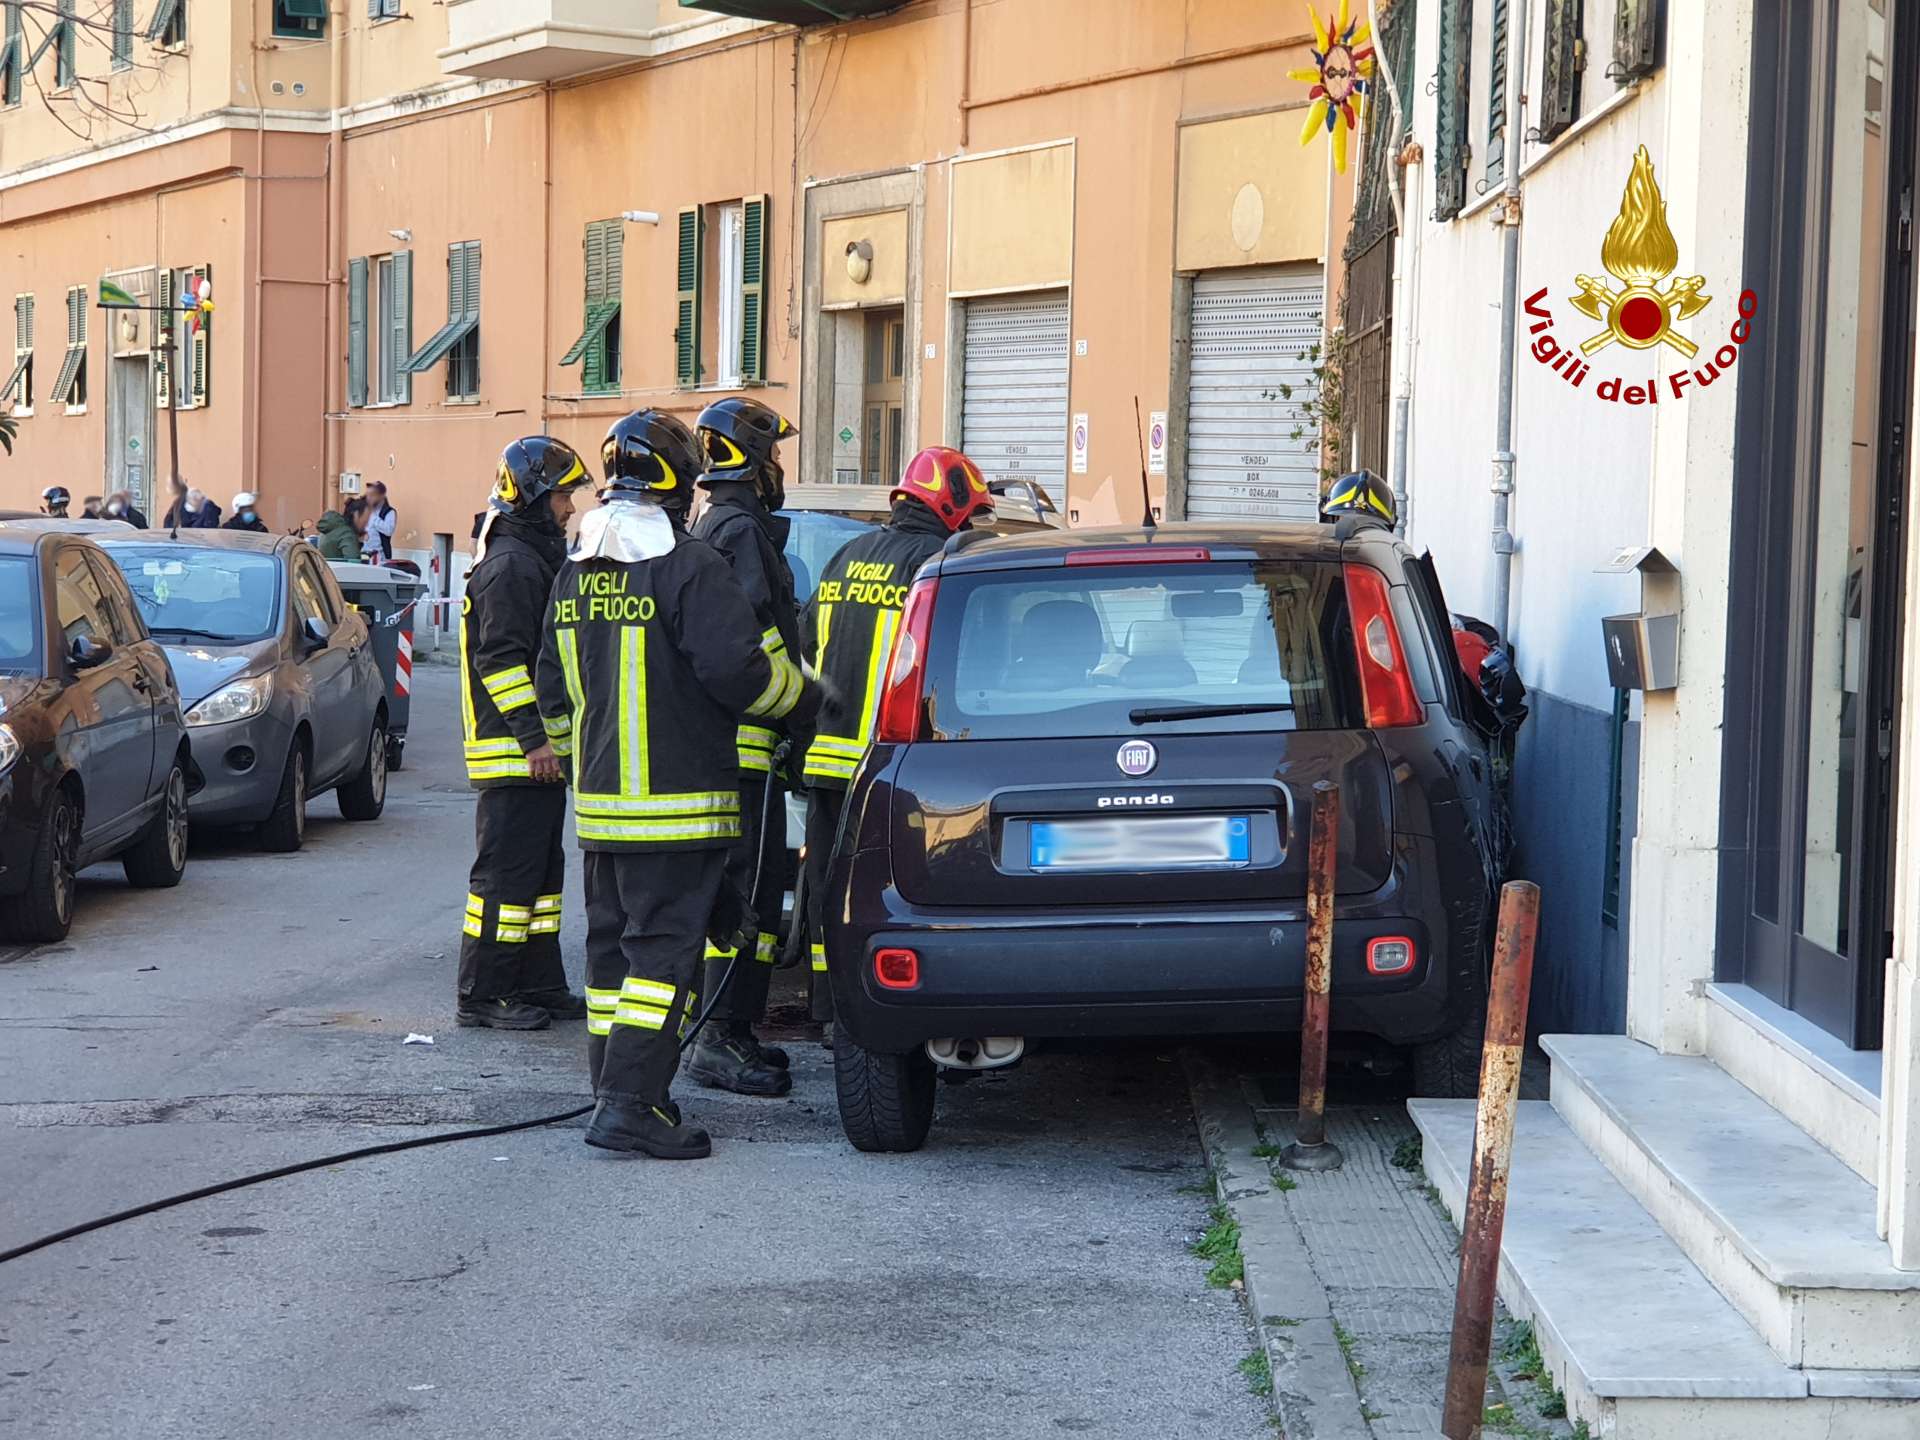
745, 485
652, 657
511, 977
848, 630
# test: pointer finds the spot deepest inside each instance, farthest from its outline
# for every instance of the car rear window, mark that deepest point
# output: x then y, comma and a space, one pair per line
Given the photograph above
813, 538
1045, 653
202, 594
19, 627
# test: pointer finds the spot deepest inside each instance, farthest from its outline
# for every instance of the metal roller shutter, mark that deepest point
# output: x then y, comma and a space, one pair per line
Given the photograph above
1013, 421
1251, 388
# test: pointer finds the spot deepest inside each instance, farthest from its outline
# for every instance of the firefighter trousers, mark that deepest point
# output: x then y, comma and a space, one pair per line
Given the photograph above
824, 807
754, 853
510, 943
647, 915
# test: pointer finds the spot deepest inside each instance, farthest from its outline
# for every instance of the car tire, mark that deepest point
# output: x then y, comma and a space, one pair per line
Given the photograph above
365, 796
158, 859
285, 830
886, 1101
43, 912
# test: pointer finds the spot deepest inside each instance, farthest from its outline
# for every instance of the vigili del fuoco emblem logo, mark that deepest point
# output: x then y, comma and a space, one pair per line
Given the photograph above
1645, 310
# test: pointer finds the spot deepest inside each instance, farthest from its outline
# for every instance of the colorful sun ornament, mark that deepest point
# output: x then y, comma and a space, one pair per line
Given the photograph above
1342, 78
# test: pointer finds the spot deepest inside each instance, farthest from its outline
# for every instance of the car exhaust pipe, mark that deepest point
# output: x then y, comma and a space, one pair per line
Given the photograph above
976, 1052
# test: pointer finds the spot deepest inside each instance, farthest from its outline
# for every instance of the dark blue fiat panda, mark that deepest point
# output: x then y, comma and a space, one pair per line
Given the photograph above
1085, 811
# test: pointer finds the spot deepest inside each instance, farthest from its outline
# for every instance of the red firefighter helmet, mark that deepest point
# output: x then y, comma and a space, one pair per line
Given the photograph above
947, 483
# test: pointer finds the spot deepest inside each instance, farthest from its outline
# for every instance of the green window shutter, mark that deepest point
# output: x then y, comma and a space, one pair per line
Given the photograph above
592, 349
357, 331
1636, 38
609, 341
1450, 108
1561, 65
1497, 97
470, 260
686, 324
400, 326
165, 12
12, 53
63, 73
202, 374
456, 282
753, 290
122, 34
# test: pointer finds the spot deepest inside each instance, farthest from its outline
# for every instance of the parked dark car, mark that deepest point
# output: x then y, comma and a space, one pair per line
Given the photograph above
1085, 811
94, 761
283, 698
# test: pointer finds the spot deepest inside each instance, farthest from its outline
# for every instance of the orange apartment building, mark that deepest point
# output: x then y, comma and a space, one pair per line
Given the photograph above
433, 227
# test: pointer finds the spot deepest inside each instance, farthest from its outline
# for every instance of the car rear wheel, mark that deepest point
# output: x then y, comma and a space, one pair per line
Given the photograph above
158, 858
886, 1101
365, 796
286, 828
44, 910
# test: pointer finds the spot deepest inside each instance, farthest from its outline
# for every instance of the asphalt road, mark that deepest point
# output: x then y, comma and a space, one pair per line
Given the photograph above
1025, 1275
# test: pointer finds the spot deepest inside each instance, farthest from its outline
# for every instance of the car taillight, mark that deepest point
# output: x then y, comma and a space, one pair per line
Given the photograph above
899, 718
1386, 685
897, 969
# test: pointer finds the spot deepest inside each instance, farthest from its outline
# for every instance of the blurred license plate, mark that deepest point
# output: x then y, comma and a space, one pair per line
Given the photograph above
1146, 842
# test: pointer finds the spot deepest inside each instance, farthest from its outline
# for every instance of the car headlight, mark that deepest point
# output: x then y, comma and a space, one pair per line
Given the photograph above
9, 748
240, 700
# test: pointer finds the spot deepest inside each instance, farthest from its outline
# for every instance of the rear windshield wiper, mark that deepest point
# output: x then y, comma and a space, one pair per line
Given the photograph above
1156, 714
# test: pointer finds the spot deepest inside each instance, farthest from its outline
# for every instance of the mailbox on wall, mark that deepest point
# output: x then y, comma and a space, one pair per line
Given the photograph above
1643, 650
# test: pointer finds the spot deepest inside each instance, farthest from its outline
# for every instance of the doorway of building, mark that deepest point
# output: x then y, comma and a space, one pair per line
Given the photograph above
129, 457
884, 366
1821, 475
1013, 388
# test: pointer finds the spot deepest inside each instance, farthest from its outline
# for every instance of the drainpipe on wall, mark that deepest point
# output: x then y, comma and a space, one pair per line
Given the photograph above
333, 387
1507, 213
254, 383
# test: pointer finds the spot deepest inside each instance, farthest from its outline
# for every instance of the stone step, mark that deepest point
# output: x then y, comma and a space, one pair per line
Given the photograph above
1638, 1340
1776, 1221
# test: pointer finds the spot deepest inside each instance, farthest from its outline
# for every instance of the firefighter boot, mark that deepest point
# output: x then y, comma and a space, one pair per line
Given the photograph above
559, 1002
732, 1061
505, 1013
655, 1130
769, 1054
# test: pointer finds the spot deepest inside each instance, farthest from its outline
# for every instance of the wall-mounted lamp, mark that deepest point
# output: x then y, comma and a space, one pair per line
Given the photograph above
859, 261
641, 217
405, 237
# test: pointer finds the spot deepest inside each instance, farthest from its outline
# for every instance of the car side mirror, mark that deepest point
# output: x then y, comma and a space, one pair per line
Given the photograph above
88, 652
315, 633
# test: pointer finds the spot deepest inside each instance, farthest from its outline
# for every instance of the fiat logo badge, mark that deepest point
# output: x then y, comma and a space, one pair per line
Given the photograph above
1137, 757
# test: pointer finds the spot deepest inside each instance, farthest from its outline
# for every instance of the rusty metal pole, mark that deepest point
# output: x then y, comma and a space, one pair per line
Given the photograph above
1310, 1149
1486, 1210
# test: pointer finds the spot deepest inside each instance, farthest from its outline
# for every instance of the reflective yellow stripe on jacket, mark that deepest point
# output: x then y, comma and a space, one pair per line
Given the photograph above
756, 742
836, 757
492, 759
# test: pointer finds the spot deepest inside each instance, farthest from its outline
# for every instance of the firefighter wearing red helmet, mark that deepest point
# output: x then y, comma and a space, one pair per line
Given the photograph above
847, 632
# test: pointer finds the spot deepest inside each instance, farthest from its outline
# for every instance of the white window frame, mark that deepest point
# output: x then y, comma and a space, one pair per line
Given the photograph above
729, 257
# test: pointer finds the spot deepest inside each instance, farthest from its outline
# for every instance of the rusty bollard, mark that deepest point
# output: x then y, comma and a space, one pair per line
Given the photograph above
1310, 1149
1486, 1211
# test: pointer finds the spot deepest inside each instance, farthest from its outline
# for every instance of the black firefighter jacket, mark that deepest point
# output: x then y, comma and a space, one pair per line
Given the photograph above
848, 631
753, 542
501, 620
645, 670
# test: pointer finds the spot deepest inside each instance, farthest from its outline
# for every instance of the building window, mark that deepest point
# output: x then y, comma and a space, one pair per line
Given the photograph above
63, 71
70, 386
122, 34
19, 387
728, 242
1451, 100
383, 9
597, 351
395, 286
300, 19
458, 341
168, 27
12, 55
190, 386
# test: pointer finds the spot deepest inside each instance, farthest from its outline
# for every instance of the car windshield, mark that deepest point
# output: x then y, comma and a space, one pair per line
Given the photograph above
815, 538
206, 594
19, 627
1115, 650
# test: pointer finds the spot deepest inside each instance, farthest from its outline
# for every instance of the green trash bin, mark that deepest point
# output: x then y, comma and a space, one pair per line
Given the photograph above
386, 597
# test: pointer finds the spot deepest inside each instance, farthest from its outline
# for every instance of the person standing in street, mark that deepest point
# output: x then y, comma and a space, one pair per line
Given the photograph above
382, 520
245, 515
652, 656
54, 501
120, 506
511, 974
848, 629
745, 485
194, 512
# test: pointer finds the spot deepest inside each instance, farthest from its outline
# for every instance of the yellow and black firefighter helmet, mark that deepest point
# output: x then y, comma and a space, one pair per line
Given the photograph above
1360, 492
738, 437
651, 455
532, 469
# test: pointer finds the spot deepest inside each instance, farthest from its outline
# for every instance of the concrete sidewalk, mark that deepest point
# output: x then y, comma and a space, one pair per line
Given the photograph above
1349, 1275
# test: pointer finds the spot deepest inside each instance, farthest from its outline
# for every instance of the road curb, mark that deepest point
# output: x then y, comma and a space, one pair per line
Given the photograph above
1313, 1391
